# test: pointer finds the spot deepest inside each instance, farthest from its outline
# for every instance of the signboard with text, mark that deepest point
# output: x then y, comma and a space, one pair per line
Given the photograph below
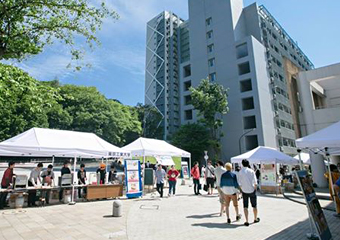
133, 178
268, 174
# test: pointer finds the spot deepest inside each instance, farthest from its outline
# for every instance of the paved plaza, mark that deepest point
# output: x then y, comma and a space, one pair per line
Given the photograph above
184, 216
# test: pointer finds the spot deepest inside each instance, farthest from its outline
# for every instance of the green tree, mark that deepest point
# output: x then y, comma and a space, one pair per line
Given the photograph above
210, 99
24, 102
193, 138
27, 26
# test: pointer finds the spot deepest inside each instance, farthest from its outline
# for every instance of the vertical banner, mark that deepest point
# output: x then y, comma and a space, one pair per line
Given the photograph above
133, 178
268, 174
185, 170
313, 205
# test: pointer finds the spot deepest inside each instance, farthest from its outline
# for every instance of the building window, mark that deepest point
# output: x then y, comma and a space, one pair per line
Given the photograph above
187, 85
245, 85
187, 71
241, 50
248, 103
209, 34
212, 77
249, 122
187, 100
251, 142
188, 115
208, 21
210, 48
211, 62
243, 68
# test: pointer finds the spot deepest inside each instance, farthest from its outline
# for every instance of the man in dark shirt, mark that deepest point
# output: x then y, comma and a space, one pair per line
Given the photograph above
113, 174
6, 182
64, 170
102, 173
81, 179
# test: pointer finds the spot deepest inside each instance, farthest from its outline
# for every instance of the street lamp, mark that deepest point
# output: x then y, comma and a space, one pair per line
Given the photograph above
239, 140
206, 157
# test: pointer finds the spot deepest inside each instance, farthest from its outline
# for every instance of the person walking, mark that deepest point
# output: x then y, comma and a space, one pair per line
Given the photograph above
248, 183
81, 175
195, 173
219, 170
172, 176
6, 182
34, 181
48, 180
210, 177
229, 188
160, 176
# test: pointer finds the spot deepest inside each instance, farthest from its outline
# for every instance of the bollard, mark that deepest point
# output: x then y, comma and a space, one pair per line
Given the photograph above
117, 208
183, 182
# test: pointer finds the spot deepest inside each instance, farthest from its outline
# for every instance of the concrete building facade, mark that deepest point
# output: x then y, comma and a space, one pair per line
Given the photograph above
247, 51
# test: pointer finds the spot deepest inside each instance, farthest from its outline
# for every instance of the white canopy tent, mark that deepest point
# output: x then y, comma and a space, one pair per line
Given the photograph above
143, 147
305, 158
265, 155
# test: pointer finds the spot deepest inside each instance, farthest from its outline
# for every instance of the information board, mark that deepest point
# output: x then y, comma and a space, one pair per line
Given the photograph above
313, 204
268, 174
185, 173
133, 178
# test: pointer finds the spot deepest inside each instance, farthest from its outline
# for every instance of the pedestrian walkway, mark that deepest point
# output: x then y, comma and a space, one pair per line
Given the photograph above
184, 216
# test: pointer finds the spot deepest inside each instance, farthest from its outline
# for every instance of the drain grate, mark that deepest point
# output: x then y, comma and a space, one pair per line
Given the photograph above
14, 212
149, 207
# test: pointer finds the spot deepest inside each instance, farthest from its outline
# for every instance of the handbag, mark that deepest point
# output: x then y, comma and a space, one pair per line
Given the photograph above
205, 187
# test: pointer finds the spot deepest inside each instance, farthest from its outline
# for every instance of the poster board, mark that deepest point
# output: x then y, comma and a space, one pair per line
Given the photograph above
133, 178
268, 175
185, 173
315, 210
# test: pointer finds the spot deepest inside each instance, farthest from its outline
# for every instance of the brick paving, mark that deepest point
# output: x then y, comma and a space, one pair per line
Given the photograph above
184, 216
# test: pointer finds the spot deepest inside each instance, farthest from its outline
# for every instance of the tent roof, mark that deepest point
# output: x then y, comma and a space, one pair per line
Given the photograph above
327, 137
305, 158
264, 155
154, 147
59, 143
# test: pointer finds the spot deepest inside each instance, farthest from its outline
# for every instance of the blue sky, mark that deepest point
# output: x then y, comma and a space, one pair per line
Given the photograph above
118, 65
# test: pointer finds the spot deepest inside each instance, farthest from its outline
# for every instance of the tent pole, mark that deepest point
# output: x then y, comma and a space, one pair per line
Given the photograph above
330, 177
53, 160
189, 168
74, 179
300, 161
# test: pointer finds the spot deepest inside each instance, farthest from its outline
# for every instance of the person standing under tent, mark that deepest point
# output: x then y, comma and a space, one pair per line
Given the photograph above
64, 170
160, 176
335, 176
34, 181
113, 174
210, 177
248, 183
101, 171
195, 173
173, 174
48, 180
203, 171
81, 175
6, 182
229, 187
219, 170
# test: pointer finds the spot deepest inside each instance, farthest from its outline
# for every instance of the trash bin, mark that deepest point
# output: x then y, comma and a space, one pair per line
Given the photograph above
117, 208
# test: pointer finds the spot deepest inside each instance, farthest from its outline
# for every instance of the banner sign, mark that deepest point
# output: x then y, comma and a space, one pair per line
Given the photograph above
268, 175
185, 173
313, 204
133, 178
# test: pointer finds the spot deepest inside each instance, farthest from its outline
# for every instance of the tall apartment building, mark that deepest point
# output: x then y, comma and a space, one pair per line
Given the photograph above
246, 50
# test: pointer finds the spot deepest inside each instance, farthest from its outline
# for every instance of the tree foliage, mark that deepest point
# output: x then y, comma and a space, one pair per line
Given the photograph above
28, 25
210, 99
27, 103
193, 138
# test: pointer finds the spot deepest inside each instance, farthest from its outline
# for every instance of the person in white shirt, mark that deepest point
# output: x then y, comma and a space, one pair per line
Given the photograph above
219, 170
210, 177
247, 181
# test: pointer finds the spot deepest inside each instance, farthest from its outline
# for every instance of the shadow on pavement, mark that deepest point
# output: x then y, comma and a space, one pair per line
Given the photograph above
211, 215
217, 225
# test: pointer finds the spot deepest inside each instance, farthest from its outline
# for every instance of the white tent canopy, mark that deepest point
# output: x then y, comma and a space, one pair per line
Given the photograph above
328, 137
265, 155
153, 147
305, 158
59, 143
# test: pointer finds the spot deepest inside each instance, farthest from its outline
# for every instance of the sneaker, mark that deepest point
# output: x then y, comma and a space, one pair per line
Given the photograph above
257, 220
229, 221
238, 217
246, 224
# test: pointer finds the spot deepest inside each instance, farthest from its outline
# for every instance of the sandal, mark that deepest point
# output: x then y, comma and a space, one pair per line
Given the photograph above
246, 224
257, 220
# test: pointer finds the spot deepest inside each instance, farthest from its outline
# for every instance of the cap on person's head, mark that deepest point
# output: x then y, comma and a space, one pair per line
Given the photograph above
11, 163
220, 163
228, 166
40, 165
82, 165
245, 163
102, 166
50, 166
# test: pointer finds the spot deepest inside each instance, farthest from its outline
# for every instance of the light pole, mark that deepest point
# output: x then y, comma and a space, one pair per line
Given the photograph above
239, 140
206, 157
